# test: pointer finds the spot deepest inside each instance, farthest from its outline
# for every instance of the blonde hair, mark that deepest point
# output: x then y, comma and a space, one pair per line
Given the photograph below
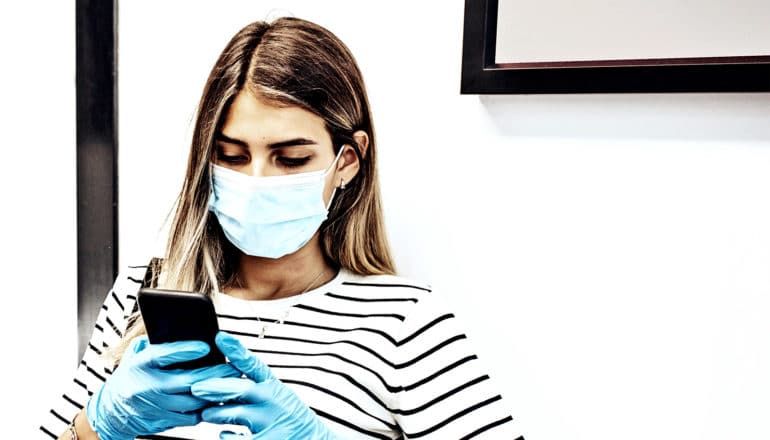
288, 62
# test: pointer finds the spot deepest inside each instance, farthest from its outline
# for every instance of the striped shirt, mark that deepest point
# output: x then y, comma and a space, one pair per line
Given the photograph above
375, 357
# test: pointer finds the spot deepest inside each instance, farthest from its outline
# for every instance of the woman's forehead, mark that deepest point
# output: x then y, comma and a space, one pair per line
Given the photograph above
252, 119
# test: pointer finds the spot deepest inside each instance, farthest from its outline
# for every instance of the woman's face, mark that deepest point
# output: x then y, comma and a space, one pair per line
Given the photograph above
260, 139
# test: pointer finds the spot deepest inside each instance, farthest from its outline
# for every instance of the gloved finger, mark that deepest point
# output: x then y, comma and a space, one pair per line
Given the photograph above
173, 418
179, 380
227, 389
274, 432
242, 359
181, 403
230, 435
135, 346
256, 417
161, 355
221, 370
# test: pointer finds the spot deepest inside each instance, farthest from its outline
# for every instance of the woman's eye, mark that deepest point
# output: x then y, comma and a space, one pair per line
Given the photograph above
293, 162
233, 159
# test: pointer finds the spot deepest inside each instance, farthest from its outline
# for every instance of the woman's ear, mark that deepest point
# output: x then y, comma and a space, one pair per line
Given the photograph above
349, 164
362, 139
347, 167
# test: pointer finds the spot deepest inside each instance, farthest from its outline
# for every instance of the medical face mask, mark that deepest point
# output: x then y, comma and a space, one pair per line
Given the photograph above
269, 216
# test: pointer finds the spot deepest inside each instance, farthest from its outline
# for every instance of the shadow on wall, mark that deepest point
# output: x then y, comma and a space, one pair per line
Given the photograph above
707, 116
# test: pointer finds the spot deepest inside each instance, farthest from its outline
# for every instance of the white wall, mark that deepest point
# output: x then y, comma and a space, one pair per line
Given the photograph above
610, 255
38, 263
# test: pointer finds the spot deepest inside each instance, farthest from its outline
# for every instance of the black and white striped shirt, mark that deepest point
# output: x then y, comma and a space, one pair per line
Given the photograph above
376, 357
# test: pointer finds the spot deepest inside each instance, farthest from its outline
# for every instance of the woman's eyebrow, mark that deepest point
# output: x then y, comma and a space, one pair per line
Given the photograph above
292, 143
287, 143
223, 138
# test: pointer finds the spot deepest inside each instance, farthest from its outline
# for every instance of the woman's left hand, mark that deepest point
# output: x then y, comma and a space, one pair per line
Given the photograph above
258, 401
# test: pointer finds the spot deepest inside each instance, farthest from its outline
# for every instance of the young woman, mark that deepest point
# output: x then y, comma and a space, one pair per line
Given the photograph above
279, 221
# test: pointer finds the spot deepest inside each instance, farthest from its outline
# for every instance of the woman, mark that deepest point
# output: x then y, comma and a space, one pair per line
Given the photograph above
279, 222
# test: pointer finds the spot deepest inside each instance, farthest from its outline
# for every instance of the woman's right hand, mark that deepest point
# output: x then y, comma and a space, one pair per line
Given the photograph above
141, 398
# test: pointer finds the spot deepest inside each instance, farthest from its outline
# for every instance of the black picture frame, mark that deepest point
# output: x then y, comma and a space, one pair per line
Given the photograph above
481, 74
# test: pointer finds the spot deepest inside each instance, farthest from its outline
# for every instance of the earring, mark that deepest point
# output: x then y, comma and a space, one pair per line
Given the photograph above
342, 183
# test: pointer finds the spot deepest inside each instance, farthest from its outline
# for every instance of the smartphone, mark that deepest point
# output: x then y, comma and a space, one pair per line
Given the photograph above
171, 316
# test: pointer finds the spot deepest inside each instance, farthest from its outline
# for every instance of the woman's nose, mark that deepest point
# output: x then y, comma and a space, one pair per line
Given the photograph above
257, 168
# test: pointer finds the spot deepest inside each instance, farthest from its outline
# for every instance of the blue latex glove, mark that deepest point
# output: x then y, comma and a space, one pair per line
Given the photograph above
258, 401
140, 398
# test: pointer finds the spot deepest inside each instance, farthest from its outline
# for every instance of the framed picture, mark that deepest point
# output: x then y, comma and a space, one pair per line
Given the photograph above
621, 46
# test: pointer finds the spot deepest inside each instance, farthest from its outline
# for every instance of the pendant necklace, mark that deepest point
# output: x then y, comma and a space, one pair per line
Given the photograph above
285, 315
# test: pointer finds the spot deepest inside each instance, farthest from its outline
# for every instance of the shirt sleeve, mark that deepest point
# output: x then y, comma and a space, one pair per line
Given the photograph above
96, 364
445, 391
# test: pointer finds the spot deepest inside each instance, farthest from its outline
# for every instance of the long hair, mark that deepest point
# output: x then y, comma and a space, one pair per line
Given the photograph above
287, 62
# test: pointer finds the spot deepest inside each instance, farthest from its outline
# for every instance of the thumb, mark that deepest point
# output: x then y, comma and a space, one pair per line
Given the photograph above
136, 345
242, 359
167, 353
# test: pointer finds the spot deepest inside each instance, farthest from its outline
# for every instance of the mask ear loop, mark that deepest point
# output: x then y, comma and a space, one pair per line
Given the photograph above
342, 184
336, 158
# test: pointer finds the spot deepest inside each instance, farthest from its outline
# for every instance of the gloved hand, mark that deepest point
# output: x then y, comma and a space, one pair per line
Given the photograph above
141, 398
258, 401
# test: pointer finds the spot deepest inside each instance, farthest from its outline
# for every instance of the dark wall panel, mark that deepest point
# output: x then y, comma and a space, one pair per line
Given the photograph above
97, 151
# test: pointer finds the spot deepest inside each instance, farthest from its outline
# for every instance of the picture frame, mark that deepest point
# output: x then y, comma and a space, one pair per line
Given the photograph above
481, 74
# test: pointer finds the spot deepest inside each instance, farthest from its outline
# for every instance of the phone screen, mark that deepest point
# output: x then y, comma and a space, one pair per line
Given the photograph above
171, 316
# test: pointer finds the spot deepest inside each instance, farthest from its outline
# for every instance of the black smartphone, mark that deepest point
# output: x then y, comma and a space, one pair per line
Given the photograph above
171, 316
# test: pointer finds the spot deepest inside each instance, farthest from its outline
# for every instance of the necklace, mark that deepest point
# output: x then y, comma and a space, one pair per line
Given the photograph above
285, 315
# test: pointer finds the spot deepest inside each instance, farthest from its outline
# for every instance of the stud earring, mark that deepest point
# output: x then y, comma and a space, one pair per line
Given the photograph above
342, 183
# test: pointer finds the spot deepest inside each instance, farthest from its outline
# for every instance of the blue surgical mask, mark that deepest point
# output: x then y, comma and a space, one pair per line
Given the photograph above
269, 216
